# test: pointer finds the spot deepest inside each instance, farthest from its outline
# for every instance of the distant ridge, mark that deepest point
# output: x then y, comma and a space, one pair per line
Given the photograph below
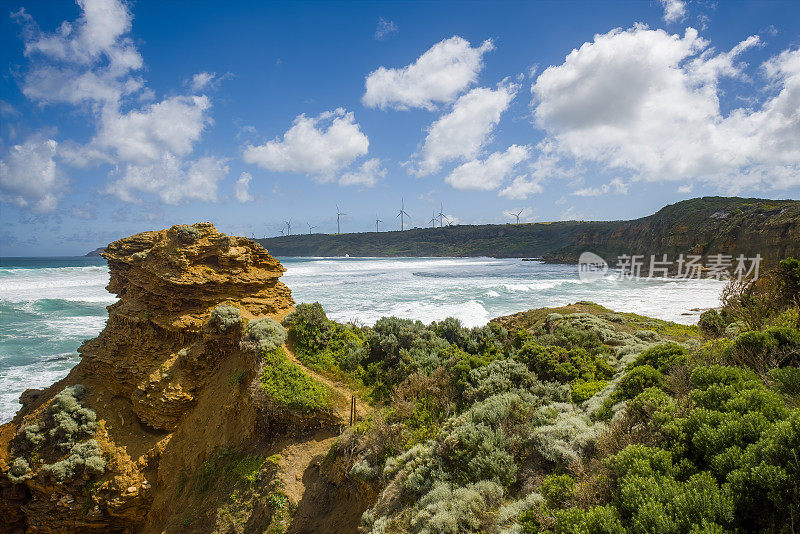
95, 252
707, 225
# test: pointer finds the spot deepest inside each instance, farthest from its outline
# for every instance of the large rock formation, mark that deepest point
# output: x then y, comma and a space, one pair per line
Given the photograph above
154, 396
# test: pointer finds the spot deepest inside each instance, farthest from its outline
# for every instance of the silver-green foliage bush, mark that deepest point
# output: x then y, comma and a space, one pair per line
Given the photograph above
364, 471
85, 458
449, 509
20, 470
187, 234
71, 421
226, 318
565, 440
263, 334
64, 427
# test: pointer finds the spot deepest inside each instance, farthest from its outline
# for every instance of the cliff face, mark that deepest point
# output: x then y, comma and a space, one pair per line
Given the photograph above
154, 395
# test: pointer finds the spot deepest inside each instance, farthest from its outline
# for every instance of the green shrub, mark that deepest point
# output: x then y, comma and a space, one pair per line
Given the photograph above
451, 330
497, 377
566, 439
263, 335
637, 380
287, 384
555, 363
711, 323
557, 490
307, 326
663, 357
362, 470
596, 520
325, 345
787, 380
583, 391
225, 318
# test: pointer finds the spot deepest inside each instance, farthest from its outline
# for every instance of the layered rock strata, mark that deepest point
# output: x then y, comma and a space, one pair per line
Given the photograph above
152, 397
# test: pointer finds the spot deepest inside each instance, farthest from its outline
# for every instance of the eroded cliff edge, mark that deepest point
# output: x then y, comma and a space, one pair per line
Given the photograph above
167, 387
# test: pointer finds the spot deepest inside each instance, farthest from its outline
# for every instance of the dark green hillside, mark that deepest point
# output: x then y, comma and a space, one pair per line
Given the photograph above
705, 225
509, 240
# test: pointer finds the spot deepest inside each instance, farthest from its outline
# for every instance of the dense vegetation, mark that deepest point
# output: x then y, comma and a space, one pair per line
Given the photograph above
707, 225
575, 419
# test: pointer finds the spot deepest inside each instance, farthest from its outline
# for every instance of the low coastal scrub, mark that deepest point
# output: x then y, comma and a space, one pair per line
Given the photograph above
263, 335
325, 345
226, 318
65, 427
288, 385
575, 419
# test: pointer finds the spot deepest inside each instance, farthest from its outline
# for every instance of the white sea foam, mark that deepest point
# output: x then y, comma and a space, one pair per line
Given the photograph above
77, 284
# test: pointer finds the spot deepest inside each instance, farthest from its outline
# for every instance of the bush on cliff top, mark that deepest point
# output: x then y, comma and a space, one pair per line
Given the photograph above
187, 234
263, 334
322, 344
287, 384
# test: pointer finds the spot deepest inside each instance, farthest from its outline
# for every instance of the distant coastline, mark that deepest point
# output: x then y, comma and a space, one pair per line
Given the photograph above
95, 252
702, 226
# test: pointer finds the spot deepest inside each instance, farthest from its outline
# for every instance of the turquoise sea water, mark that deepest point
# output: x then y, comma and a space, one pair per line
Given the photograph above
49, 305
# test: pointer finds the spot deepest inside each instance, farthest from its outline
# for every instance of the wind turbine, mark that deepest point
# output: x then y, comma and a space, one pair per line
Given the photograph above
441, 214
309, 228
338, 220
288, 227
433, 220
518, 214
377, 221
402, 214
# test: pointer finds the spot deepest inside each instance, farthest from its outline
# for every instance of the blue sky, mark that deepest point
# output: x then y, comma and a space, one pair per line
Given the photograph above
122, 117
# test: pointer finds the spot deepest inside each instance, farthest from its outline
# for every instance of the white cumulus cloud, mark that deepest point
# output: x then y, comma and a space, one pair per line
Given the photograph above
201, 80
521, 187
171, 179
172, 126
490, 173
674, 10
648, 103
319, 146
92, 62
465, 130
242, 188
366, 175
616, 185
437, 76
29, 176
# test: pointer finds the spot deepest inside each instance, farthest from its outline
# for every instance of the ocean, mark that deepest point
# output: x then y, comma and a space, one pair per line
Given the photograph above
48, 306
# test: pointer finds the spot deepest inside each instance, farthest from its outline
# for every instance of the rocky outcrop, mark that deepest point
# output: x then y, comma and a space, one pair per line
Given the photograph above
155, 394
168, 282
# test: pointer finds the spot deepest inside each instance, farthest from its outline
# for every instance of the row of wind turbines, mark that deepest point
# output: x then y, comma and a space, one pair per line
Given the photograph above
402, 214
